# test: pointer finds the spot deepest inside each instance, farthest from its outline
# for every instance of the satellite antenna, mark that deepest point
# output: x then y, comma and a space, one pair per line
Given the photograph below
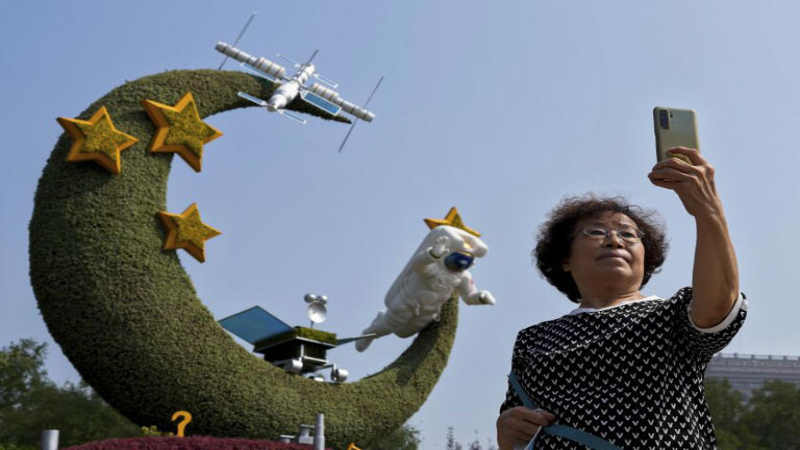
355, 121
298, 66
316, 310
309, 60
241, 33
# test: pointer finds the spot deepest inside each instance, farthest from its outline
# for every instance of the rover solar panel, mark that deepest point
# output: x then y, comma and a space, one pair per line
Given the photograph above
254, 325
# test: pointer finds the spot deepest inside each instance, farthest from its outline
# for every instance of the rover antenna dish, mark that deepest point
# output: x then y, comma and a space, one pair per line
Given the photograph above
317, 312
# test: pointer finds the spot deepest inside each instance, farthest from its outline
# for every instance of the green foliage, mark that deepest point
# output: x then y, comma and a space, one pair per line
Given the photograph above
127, 315
21, 371
287, 346
768, 421
773, 416
153, 431
452, 444
725, 404
17, 447
317, 335
188, 443
299, 332
451, 440
32, 403
403, 438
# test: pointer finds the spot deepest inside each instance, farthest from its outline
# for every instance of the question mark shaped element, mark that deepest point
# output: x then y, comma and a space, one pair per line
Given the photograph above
187, 417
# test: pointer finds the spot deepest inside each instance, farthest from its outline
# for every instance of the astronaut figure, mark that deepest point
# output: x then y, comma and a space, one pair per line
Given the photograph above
427, 281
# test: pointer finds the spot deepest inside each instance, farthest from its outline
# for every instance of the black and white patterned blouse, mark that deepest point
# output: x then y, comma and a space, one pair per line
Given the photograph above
631, 374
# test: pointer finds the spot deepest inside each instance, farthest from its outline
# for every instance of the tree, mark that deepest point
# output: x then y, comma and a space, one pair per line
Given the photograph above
768, 421
773, 416
476, 444
21, 371
726, 407
30, 402
451, 440
404, 438
452, 444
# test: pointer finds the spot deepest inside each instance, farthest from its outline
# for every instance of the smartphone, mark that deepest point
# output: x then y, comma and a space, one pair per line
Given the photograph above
674, 128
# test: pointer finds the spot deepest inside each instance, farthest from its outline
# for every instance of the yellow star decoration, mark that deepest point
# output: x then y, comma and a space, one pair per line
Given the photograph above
96, 140
452, 219
179, 129
187, 231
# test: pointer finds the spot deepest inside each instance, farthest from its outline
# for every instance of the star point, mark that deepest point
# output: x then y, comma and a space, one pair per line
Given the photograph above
452, 219
187, 231
179, 129
97, 139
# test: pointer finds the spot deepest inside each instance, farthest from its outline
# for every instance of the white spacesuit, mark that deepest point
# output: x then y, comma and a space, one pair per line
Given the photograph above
427, 281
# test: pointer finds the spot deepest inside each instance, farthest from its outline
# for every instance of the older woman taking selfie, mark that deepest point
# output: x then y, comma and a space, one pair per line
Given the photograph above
626, 367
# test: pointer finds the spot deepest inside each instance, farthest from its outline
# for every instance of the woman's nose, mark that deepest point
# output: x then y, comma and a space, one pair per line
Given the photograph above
613, 239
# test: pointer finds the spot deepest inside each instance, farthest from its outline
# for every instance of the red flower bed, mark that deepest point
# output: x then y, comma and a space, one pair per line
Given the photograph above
187, 443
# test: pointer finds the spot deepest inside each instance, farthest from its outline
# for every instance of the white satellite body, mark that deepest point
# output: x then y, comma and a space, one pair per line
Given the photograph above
287, 89
426, 283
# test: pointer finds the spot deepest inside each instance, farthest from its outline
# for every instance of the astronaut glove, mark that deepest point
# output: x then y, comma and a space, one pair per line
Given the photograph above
439, 248
486, 298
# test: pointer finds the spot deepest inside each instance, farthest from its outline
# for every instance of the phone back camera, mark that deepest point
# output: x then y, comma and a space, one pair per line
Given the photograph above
663, 118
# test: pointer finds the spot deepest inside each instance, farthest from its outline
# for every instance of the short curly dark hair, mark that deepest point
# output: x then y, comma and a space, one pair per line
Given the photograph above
556, 234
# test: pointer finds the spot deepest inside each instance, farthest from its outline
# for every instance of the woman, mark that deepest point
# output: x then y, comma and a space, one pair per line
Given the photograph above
625, 367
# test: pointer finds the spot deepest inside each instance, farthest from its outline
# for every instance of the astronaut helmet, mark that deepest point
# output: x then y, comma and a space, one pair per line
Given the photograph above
458, 261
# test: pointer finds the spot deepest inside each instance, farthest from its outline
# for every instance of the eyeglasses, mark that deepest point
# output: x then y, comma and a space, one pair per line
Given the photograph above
630, 236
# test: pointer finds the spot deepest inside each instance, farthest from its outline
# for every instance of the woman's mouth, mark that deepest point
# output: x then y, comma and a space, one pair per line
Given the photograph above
613, 255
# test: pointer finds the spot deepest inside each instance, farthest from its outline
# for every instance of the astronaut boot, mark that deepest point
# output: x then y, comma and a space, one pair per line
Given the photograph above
363, 343
375, 327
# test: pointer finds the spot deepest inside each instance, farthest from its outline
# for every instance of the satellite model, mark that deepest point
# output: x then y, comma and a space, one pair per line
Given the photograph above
289, 88
297, 350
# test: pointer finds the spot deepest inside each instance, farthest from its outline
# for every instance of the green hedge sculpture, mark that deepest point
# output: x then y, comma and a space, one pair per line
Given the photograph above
127, 316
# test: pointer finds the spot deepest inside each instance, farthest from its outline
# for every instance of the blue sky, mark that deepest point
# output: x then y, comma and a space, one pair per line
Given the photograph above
500, 109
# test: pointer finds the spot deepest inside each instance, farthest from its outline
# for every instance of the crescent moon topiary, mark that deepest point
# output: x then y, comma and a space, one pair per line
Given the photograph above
127, 316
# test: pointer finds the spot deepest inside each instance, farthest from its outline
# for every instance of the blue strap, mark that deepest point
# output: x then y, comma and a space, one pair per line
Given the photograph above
572, 434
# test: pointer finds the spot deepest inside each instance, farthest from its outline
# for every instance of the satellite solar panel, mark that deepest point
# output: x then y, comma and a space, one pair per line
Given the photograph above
321, 103
254, 324
259, 73
255, 100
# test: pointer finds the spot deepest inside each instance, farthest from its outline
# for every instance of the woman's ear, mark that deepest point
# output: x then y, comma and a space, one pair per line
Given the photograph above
565, 266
